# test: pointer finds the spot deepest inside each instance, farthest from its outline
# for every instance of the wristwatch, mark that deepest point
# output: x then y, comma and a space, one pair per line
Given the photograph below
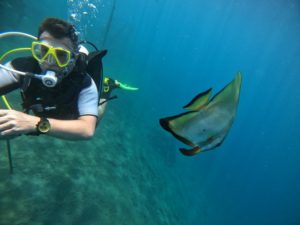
43, 126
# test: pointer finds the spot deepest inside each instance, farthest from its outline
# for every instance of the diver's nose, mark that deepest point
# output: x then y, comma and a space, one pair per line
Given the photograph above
50, 60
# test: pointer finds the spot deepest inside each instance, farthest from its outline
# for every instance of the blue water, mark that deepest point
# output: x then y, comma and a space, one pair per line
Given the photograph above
172, 50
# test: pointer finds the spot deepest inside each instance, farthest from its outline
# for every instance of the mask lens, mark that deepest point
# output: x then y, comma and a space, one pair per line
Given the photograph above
62, 56
39, 50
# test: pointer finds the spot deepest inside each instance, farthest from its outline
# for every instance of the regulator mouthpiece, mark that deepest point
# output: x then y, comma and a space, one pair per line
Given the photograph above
49, 79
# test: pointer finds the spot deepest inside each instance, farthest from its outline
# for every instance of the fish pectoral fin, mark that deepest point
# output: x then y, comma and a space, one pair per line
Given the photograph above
199, 101
190, 152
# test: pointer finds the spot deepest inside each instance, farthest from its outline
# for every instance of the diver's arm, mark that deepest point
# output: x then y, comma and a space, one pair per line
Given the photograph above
81, 129
14, 123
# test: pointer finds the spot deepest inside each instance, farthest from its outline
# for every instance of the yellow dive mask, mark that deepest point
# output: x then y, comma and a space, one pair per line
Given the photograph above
41, 52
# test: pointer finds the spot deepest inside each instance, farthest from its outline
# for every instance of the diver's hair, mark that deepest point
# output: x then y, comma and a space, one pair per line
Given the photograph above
59, 29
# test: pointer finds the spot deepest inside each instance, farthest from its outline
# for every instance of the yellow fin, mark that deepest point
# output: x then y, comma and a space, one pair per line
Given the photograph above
229, 92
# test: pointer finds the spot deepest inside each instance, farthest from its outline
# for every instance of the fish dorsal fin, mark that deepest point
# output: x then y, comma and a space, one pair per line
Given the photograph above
199, 101
230, 92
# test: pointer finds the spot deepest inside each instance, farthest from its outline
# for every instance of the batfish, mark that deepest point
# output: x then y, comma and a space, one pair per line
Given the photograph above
208, 121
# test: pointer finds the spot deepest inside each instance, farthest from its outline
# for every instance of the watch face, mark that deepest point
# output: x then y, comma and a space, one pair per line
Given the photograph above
44, 126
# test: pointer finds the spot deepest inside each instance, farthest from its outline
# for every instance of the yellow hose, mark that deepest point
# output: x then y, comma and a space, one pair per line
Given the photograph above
13, 51
4, 99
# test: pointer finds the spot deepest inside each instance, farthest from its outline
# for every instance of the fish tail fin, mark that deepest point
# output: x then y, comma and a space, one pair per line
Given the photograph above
190, 152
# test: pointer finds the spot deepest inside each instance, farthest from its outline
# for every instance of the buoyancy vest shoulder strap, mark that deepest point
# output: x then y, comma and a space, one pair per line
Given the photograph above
95, 67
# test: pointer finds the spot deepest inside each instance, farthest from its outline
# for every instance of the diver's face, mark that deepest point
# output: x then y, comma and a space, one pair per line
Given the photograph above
64, 43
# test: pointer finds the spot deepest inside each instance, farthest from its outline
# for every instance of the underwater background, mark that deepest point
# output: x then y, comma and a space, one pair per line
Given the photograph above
131, 172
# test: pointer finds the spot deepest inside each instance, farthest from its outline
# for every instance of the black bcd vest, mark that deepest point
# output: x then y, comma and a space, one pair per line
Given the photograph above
59, 102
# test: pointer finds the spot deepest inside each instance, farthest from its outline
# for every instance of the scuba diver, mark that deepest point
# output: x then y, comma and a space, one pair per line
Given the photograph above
63, 92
